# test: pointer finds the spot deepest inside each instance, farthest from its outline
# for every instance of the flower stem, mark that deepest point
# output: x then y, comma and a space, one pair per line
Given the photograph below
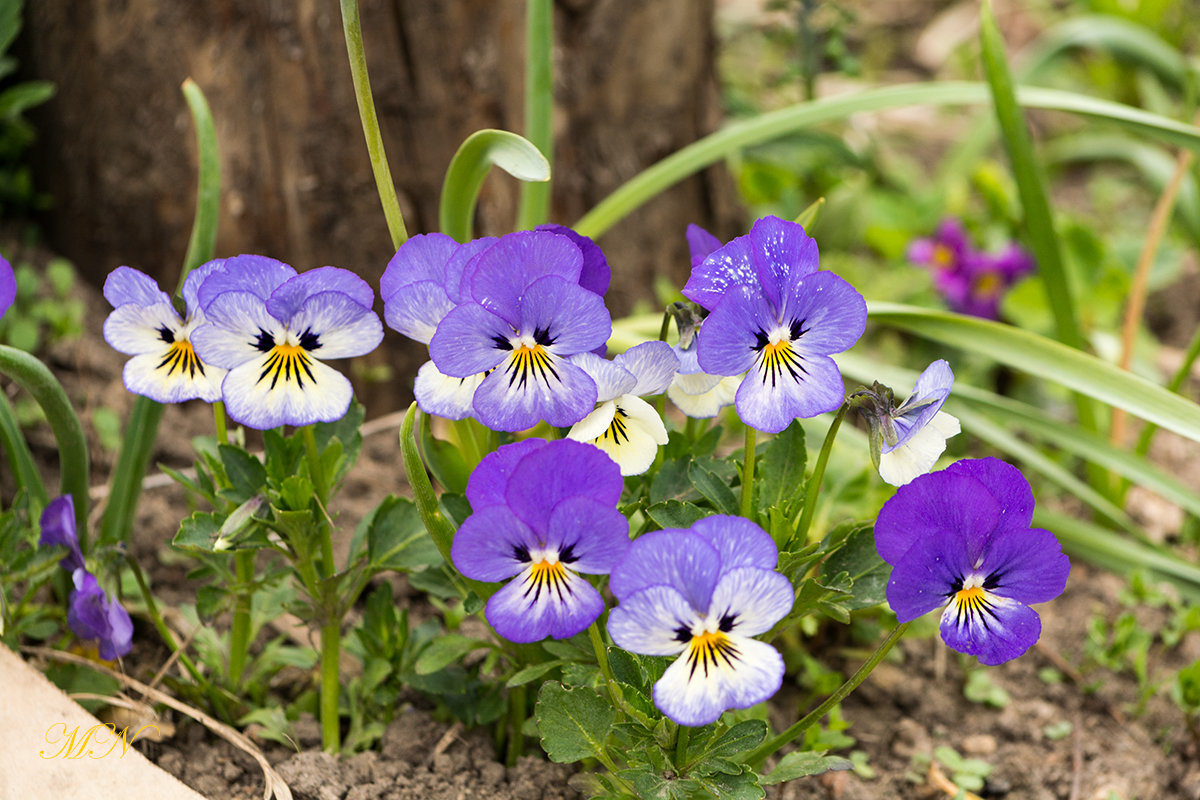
328, 609
682, 735
352, 28
760, 754
239, 634
516, 721
539, 106
601, 652
814, 483
748, 475
160, 625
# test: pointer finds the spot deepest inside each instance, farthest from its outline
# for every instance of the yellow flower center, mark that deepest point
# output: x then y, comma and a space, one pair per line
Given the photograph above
181, 356
289, 361
527, 360
710, 649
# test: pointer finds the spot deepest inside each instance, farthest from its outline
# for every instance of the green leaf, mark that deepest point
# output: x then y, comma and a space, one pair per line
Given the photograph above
671, 483
781, 470
1123, 38
675, 514
397, 538
23, 96
868, 572
532, 673
574, 723
715, 490
741, 785
197, 533
444, 460
741, 738
445, 650
296, 492
246, 474
799, 765
475, 157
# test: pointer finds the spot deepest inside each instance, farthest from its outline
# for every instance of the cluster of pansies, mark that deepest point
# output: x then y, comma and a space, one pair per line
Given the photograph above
972, 281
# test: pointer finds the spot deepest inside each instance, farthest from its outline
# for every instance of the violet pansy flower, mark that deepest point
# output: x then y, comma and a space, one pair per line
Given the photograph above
972, 282
270, 327
8, 286
701, 594
623, 424
774, 316
960, 540
144, 324
522, 315
543, 512
58, 529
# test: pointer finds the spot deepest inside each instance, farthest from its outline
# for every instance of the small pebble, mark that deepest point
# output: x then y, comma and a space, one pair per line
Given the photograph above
979, 744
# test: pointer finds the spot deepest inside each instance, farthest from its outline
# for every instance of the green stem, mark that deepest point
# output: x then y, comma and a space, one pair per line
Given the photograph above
35, 377
539, 106
331, 687
352, 27
748, 475
760, 754
601, 652
239, 635
202, 243
516, 720
814, 483
331, 628
160, 625
682, 735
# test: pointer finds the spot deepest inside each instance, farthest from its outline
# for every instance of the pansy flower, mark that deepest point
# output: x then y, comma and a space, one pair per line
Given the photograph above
144, 324
775, 317
701, 594
271, 328
8, 286
523, 315
623, 424
91, 613
960, 540
906, 440
543, 512
972, 281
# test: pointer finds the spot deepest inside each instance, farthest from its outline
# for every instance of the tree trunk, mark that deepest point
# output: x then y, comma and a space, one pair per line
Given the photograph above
634, 82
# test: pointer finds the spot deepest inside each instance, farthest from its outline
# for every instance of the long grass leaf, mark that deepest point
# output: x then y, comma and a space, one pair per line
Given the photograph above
475, 158
539, 106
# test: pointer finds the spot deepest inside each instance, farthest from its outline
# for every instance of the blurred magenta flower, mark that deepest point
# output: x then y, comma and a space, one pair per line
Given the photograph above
542, 512
960, 540
971, 281
8, 286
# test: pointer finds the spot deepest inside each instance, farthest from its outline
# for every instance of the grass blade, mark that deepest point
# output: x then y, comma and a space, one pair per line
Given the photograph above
475, 157
539, 106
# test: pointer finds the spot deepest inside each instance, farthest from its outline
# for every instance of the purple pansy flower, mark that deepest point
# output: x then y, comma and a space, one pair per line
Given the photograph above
701, 594
774, 315
523, 314
961, 540
595, 274
58, 528
144, 324
93, 615
973, 282
542, 513
623, 424
267, 325
8, 286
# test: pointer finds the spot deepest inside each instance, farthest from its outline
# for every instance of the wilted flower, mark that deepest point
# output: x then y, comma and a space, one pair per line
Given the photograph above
145, 325
266, 324
960, 540
701, 594
772, 313
907, 440
623, 424
542, 513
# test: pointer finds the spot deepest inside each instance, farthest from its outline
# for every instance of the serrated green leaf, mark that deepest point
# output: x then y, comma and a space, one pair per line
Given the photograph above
675, 514
799, 765
741, 785
625, 667
197, 533
671, 483
868, 573
741, 738
574, 723
246, 474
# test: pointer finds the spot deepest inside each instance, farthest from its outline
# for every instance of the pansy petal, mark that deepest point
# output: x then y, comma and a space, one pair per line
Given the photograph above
927, 574
654, 364
728, 341
706, 404
1028, 566
58, 529
416, 308
590, 536
1006, 631
489, 480
632, 436
1006, 484
468, 341
696, 694
739, 542
574, 319
486, 545
725, 269
193, 281
932, 388
8, 286
421, 258
173, 375
266, 394
128, 285
595, 274
499, 275
547, 475
770, 399
648, 622
237, 321
784, 255
595, 424
443, 396
257, 275
941, 504
832, 314
749, 601
670, 557
295, 293
531, 607
458, 264
701, 243
343, 327
521, 393
132, 328
919, 452
612, 379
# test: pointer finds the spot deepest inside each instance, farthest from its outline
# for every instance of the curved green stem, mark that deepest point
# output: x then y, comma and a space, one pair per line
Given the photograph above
35, 377
748, 475
202, 243
352, 28
20, 460
814, 483
539, 106
763, 751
